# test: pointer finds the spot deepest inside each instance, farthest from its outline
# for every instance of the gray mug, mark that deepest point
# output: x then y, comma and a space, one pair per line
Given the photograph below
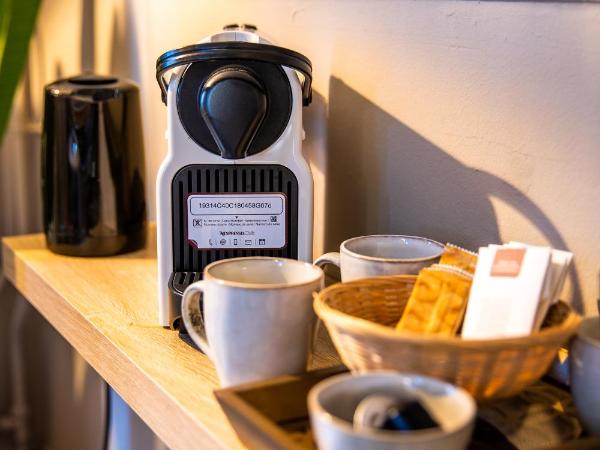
257, 317
386, 254
585, 374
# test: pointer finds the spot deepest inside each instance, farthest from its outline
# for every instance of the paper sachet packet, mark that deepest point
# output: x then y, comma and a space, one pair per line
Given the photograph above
560, 261
506, 292
438, 301
454, 255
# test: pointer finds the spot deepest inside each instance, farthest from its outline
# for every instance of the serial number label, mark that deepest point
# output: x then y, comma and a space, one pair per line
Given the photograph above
236, 221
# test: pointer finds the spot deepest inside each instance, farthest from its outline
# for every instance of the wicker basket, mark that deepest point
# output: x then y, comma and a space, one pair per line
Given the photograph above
360, 316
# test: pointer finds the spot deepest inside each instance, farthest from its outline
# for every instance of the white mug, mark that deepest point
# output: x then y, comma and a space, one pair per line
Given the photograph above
377, 255
258, 318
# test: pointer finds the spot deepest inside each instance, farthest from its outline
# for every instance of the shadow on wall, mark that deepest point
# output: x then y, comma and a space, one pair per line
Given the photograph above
314, 146
382, 177
124, 59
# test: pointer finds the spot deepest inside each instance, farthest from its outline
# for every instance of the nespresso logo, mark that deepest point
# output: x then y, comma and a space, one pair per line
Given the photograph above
233, 233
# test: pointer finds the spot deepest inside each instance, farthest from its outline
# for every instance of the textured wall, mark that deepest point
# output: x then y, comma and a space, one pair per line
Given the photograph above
467, 121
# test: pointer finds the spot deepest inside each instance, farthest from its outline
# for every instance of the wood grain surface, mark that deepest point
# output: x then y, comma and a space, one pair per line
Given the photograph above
106, 308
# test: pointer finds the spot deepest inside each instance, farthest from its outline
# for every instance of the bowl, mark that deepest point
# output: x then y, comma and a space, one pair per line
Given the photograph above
332, 402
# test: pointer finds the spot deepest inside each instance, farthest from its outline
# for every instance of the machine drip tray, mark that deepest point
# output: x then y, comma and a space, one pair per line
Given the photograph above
179, 281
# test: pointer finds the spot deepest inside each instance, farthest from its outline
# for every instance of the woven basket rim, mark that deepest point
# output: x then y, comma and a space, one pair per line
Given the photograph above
351, 324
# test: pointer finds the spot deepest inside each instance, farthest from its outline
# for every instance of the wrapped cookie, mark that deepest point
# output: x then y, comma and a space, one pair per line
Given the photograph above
438, 301
459, 257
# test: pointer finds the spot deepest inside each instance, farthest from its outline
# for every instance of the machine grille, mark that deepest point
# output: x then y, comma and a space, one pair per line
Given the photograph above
188, 261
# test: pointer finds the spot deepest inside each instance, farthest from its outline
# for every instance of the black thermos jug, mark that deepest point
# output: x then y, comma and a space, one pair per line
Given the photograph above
93, 167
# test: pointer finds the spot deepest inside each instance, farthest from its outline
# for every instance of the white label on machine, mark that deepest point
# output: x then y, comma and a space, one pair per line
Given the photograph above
236, 221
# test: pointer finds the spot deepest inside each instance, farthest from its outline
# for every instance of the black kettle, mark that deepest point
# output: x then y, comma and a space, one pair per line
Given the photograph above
93, 167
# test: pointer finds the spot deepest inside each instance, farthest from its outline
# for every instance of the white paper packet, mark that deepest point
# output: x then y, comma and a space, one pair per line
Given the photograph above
506, 291
559, 266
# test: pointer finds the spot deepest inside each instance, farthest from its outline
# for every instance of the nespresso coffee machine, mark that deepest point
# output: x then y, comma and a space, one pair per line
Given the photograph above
234, 181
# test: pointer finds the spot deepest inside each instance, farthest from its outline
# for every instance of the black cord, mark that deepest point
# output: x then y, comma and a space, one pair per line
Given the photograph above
106, 437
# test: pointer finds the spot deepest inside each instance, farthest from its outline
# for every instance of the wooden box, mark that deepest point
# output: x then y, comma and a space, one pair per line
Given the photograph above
273, 415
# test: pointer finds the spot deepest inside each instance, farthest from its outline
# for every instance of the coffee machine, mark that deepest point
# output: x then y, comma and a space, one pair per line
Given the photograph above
234, 181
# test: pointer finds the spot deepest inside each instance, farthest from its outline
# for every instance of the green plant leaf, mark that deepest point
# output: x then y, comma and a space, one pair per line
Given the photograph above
17, 19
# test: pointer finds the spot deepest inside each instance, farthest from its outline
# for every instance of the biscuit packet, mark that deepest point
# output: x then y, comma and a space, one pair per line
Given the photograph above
437, 302
454, 255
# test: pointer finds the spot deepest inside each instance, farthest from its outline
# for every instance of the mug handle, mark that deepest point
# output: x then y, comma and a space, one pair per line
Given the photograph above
192, 316
328, 258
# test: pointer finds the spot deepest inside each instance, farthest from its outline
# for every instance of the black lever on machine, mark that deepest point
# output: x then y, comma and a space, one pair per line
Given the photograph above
233, 105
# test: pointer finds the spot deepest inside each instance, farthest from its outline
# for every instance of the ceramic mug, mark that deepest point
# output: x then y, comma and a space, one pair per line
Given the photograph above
376, 255
258, 318
585, 374
332, 405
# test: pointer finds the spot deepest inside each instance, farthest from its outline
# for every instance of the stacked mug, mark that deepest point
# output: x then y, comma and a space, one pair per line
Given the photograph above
257, 320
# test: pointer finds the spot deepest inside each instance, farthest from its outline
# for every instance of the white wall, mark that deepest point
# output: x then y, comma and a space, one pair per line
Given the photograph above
473, 122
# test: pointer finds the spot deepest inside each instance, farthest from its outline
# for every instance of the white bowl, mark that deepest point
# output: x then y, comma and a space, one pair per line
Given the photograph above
332, 403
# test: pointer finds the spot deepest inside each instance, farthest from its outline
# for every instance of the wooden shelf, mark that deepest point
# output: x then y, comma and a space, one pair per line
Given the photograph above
106, 308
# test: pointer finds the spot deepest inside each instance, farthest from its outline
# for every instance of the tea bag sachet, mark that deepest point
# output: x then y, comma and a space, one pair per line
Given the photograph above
459, 257
560, 260
507, 289
438, 301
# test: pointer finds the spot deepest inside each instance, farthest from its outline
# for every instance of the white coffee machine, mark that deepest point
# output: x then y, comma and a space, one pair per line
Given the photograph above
234, 181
